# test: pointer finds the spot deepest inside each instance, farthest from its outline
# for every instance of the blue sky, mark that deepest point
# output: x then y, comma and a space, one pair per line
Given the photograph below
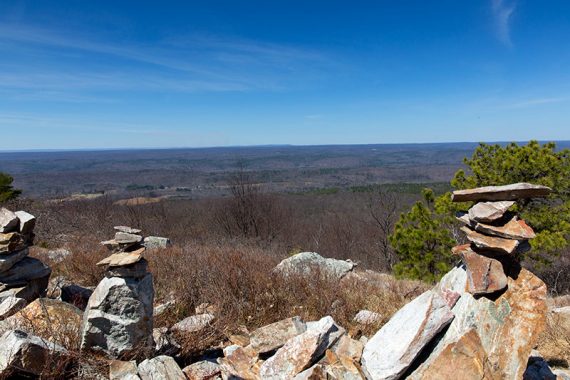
109, 74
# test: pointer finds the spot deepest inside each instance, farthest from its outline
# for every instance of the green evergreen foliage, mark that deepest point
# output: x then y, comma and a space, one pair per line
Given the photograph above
7, 192
422, 242
491, 165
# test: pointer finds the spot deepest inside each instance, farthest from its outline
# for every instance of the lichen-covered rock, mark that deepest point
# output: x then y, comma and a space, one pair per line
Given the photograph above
118, 318
305, 263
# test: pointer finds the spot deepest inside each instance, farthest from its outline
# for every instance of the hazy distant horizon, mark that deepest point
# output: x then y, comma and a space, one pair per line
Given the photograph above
119, 149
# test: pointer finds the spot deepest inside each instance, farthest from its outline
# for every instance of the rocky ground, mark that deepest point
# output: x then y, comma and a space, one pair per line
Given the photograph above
147, 310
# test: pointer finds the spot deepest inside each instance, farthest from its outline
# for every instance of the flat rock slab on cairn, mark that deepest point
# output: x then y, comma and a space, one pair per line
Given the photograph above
488, 212
118, 319
492, 243
501, 193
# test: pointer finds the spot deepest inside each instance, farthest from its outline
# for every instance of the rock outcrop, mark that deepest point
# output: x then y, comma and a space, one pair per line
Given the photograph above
490, 312
118, 319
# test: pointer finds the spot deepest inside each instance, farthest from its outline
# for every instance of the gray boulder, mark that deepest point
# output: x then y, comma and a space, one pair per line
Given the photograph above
306, 263
118, 319
161, 367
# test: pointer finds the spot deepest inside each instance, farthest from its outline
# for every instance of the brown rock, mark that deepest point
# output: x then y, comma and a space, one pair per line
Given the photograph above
484, 274
492, 243
488, 212
501, 193
346, 347
243, 363
300, 352
123, 258
123, 370
240, 340
464, 359
271, 337
52, 320
203, 370
514, 229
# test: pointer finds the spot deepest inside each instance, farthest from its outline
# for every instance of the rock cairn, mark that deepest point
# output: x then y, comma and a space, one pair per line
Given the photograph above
22, 278
118, 319
497, 237
483, 318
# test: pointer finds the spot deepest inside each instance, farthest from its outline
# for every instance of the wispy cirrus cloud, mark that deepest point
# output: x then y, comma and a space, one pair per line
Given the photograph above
502, 13
82, 63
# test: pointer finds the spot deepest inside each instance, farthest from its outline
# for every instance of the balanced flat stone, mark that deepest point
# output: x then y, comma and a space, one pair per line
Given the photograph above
501, 193
8, 221
123, 258
127, 230
491, 243
136, 270
126, 238
27, 222
513, 229
484, 274
488, 212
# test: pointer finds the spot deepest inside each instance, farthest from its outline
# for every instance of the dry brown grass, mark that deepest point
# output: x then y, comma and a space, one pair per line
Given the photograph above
237, 280
554, 343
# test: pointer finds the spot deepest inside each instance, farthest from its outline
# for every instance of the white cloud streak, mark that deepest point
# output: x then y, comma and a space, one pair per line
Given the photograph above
502, 14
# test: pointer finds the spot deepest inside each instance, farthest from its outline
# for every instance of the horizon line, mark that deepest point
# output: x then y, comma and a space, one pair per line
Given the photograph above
118, 149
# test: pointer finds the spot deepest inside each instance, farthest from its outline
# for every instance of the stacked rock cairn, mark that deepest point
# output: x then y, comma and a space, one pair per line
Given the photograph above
22, 278
118, 320
497, 237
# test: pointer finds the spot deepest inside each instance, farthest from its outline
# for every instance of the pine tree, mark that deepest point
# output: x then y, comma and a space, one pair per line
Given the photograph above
7, 192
